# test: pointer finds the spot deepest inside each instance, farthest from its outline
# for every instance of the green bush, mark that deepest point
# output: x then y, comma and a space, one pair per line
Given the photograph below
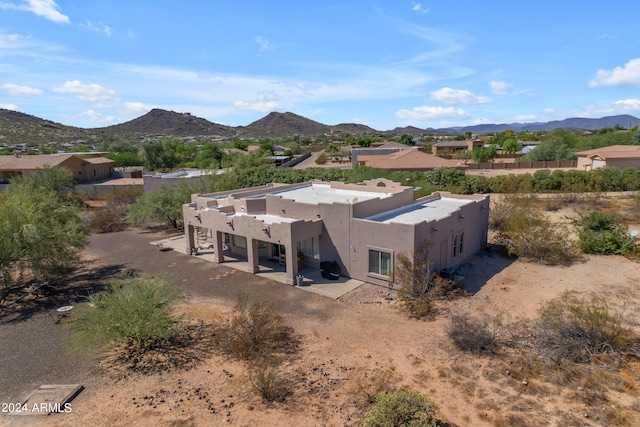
321, 160
403, 408
603, 233
136, 312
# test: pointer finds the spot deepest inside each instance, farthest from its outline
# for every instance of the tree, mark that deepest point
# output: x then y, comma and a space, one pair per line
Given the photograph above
125, 159
484, 154
209, 157
163, 204
511, 146
41, 227
635, 139
464, 155
161, 154
407, 139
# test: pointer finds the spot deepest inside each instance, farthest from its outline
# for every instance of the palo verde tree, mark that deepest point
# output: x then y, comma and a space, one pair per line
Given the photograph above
41, 229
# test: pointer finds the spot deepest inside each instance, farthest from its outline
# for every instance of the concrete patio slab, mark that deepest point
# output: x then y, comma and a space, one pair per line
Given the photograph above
312, 279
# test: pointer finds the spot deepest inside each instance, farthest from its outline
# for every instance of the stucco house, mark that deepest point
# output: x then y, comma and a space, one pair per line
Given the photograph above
451, 147
84, 169
407, 160
362, 227
618, 156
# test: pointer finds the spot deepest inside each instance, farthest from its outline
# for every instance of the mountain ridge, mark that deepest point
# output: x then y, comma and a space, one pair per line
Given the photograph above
17, 127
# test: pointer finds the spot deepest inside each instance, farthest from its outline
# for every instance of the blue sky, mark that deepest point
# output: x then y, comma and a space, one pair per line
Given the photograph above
93, 63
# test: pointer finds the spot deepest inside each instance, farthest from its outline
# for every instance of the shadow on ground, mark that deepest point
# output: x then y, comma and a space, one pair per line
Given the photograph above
36, 299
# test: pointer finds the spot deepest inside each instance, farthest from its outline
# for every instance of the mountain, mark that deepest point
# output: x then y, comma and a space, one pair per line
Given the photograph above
162, 122
282, 125
578, 123
20, 128
410, 130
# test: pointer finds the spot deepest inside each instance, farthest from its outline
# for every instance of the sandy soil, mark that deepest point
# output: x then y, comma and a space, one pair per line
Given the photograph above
350, 346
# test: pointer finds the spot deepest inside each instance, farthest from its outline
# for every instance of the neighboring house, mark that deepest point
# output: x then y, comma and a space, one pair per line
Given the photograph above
379, 150
406, 160
152, 180
617, 156
360, 226
451, 147
83, 169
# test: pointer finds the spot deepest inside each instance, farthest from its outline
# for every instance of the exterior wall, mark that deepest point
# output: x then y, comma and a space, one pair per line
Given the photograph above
395, 238
355, 152
345, 236
584, 163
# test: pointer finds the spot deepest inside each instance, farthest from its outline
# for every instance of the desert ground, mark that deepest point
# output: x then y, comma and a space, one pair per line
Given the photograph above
348, 349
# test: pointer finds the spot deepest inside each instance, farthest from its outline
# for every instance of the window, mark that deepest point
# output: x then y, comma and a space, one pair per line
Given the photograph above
95, 172
379, 262
239, 241
310, 247
458, 243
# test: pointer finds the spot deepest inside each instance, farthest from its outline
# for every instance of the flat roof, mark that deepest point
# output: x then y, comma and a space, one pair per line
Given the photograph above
429, 210
324, 193
267, 218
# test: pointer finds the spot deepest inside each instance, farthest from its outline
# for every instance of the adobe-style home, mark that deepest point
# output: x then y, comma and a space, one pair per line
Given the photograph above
362, 227
616, 156
407, 160
84, 169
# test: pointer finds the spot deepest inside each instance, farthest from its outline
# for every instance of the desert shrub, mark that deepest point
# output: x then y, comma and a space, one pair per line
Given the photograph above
403, 408
419, 286
585, 330
603, 233
475, 335
255, 331
268, 382
321, 160
136, 312
524, 230
105, 220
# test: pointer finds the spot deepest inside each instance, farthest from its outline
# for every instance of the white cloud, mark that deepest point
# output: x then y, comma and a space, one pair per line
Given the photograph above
95, 116
627, 75
260, 106
9, 106
458, 96
137, 107
425, 113
264, 44
628, 104
100, 28
86, 92
15, 90
500, 88
46, 8
417, 7
526, 118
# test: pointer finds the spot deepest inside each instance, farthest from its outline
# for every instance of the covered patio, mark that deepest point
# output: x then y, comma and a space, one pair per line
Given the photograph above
269, 267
